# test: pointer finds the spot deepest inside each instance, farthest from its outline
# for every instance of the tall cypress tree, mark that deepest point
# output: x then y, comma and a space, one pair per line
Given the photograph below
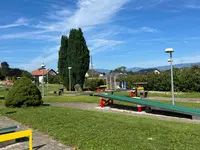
78, 57
74, 54
62, 61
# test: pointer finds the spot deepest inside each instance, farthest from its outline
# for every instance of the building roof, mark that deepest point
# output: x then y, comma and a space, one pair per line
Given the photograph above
38, 72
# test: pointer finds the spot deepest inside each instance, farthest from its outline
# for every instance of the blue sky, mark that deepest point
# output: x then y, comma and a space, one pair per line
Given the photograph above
133, 33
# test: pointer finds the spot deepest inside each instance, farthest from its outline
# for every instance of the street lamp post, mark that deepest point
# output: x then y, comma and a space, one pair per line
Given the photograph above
43, 67
170, 51
47, 80
69, 78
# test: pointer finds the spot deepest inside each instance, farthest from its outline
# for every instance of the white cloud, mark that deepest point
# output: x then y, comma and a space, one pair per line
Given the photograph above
140, 30
36, 35
147, 29
102, 44
49, 55
192, 6
89, 13
147, 4
59, 14
17, 23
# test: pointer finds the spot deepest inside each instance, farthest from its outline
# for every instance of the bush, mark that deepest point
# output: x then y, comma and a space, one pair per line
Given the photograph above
94, 84
53, 79
23, 92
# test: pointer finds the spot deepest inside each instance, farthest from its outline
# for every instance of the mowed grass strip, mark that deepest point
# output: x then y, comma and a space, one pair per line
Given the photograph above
96, 130
179, 95
88, 99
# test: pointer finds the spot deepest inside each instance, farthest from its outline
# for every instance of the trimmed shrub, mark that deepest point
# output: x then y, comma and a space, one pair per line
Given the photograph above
23, 92
94, 84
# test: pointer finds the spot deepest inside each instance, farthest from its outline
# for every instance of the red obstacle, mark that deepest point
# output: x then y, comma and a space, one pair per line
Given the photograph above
132, 94
98, 90
104, 102
139, 108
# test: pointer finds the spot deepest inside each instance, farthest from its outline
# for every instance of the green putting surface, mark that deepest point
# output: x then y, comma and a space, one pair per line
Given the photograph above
175, 108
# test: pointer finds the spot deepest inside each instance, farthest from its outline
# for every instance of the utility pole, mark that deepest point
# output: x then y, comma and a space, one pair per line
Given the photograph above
47, 80
43, 67
69, 78
91, 66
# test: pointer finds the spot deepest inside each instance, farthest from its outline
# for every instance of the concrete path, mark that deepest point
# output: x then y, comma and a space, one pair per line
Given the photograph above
41, 141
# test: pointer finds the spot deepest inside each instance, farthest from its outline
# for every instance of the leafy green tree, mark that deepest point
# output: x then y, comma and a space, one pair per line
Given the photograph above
120, 69
4, 68
53, 79
2, 77
16, 72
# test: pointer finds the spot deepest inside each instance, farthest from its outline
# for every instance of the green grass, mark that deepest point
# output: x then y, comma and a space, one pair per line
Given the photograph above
96, 130
54, 87
51, 87
88, 99
179, 95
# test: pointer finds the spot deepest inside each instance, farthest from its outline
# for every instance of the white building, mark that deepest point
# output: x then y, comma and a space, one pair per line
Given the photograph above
38, 73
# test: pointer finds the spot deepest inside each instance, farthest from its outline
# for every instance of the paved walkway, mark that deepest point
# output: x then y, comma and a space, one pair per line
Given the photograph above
41, 141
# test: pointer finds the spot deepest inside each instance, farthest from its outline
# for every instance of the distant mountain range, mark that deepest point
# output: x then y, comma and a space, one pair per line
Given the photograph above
184, 65
102, 70
136, 69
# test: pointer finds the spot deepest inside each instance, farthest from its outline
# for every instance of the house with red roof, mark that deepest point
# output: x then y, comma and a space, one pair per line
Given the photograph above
39, 73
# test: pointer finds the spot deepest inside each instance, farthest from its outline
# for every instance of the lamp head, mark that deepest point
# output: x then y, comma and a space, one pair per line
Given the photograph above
170, 60
42, 66
169, 50
69, 67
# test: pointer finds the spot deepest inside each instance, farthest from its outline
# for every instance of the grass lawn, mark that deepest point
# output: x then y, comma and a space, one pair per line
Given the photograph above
96, 130
88, 99
179, 95
54, 87
51, 87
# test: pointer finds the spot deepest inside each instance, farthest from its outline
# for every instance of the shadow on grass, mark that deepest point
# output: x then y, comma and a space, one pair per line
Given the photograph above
11, 112
45, 105
152, 111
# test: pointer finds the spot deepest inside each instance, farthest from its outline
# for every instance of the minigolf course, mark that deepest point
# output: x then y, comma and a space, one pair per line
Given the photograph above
193, 112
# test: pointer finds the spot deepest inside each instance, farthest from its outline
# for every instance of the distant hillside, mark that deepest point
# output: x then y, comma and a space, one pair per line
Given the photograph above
184, 65
134, 69
102, 70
